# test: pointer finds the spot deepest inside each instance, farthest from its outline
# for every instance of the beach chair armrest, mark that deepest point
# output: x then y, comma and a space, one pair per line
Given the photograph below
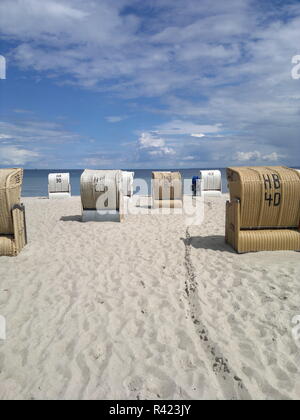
19, 223
233, 224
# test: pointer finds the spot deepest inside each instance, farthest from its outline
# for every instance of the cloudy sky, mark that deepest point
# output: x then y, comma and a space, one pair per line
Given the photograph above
149, 84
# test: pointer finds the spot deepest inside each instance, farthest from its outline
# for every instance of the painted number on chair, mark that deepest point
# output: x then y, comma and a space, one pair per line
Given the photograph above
272, 182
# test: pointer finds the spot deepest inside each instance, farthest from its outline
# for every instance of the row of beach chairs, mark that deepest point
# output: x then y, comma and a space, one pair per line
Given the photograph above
59, 185
208, 183
263, 212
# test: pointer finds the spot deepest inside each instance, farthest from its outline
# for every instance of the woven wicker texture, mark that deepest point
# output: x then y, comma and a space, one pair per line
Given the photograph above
257, 238
7, 246
10, 192
19, 229
271, 240
269, 196
167, 186
232, 223
101, 190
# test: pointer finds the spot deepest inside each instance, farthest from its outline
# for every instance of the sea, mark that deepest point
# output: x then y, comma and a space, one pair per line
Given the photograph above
35, 182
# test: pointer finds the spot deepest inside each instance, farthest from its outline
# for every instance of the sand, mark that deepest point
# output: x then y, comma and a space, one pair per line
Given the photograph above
147, 309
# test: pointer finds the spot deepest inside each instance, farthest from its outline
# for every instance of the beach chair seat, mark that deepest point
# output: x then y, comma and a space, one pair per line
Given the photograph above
13, 236
263, 213
7, 245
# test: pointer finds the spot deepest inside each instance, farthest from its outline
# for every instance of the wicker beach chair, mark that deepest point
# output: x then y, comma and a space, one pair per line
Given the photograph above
167, 190
102, 195
12, 213
263, 213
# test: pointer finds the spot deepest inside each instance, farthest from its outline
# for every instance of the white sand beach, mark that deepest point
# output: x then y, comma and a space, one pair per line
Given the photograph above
146, 309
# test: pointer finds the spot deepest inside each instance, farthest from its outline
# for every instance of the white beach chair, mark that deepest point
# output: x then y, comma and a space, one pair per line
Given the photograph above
59, 186
210, 183
102, 195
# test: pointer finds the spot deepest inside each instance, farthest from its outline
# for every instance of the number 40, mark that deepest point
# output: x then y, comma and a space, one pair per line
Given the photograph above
276, 199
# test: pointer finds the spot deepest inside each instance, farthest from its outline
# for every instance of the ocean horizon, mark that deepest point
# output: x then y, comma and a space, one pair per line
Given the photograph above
35, 182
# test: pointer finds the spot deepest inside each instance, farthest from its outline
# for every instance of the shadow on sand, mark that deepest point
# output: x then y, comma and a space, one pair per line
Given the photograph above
215, 243
71, 219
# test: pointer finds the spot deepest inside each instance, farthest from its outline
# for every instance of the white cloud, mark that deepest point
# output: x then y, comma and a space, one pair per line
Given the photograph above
148, 140
257, 156
27, 131
210, 62
35, 18
95, 41
12, 155
272, 157
22, 111
245, 156
116, 118
162, 151
151, 145
5, 137
198, 135
183, 127
41, 144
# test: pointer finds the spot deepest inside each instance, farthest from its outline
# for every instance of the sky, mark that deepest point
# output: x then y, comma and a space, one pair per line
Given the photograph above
149, 84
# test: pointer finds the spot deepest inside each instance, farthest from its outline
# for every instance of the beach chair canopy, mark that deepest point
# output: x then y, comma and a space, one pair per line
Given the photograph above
269, 196
101, 189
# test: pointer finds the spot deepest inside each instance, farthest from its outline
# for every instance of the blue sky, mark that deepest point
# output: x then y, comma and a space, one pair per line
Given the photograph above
149, 84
